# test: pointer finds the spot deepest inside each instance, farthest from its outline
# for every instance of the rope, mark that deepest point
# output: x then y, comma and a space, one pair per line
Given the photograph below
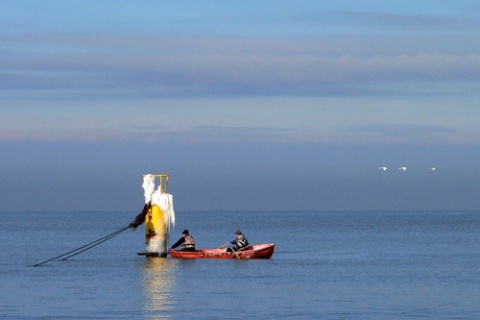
85, 247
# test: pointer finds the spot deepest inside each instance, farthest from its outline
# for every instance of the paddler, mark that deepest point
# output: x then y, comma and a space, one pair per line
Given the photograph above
187, 242
239, 243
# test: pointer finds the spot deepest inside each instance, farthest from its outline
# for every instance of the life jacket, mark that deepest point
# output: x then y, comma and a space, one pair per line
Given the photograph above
189, 242
240, 243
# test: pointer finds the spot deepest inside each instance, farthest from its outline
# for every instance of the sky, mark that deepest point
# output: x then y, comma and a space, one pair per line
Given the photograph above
248, 105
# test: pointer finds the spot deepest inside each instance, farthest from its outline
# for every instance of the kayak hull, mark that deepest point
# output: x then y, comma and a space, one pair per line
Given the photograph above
257, 251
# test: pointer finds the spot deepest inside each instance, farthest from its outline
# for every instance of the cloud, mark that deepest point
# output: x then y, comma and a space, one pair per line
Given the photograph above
387, 21
229, 134
409, 133
152, 133
95, 67
380, 133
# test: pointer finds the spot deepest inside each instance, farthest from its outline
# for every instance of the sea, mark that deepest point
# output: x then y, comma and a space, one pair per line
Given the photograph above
326, 265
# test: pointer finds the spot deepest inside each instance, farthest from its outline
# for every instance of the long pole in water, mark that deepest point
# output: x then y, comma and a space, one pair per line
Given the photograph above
85, 247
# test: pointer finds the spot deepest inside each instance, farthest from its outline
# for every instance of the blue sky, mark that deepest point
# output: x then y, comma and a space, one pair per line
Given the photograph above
265, 105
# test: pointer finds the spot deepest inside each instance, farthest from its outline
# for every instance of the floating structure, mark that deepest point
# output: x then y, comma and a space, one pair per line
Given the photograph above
158, 215
257, 251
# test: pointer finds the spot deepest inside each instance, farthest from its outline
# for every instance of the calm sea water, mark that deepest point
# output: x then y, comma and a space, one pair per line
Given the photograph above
327, 265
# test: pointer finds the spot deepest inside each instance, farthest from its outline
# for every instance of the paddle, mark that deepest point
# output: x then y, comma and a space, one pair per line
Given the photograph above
233, 252
223, 245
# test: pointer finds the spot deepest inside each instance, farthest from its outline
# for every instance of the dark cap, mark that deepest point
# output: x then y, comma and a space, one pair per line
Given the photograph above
185, 231
238, 232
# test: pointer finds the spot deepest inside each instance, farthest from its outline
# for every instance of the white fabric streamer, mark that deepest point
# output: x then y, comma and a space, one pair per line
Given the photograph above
165, 202
148, 187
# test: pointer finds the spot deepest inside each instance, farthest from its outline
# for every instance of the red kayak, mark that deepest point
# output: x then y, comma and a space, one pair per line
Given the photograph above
257, 251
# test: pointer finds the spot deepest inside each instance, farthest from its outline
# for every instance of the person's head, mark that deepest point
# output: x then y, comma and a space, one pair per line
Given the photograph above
185, 232
238, 233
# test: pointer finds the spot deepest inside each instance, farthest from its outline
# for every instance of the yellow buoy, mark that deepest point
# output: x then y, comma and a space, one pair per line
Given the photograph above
160, 216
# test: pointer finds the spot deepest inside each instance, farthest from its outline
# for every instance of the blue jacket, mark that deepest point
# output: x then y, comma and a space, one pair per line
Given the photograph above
240, 243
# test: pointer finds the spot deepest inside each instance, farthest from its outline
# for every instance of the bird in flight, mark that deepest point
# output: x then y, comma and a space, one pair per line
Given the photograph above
402, 168
382, 168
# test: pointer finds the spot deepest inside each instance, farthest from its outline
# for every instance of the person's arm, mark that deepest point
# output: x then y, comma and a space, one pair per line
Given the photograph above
140, 218
179, 242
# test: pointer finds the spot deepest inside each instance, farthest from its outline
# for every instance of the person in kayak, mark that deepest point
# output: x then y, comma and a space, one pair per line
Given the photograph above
187, 242
239, 243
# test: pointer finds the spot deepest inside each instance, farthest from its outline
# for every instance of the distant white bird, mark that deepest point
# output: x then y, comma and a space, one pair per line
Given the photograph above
402, 168
432, 168
382, 168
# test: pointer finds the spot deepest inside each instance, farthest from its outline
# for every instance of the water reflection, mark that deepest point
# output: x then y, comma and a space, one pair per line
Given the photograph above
158, 287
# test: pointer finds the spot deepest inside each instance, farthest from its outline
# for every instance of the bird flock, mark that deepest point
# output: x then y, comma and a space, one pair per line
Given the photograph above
383, 168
